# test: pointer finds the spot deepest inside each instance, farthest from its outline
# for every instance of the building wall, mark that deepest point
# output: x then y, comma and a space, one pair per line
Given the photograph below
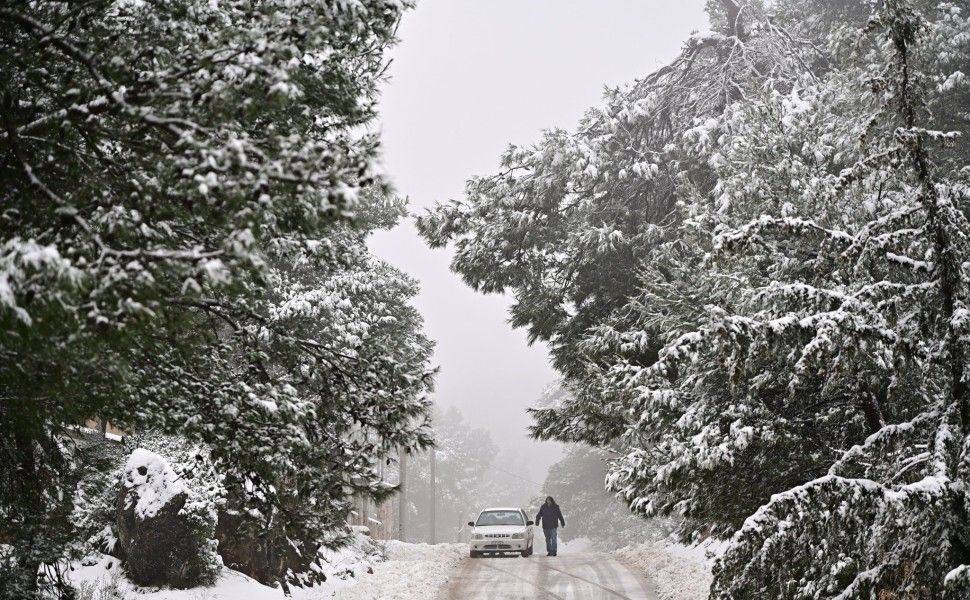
381, 519
109, 428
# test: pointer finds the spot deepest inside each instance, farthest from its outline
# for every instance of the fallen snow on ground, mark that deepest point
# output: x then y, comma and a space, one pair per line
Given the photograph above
412, 572
573, 546
101, 576
680, 572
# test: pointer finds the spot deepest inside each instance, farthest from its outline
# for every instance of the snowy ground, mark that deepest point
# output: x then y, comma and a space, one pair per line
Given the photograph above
680, 572
573, 546
568, 576
412, 572
101, 578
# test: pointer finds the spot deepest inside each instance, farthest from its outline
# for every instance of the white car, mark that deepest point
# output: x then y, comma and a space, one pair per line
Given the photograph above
500, 531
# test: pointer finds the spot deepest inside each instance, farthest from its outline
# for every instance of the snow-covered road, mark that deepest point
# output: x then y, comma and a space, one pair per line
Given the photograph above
585, 576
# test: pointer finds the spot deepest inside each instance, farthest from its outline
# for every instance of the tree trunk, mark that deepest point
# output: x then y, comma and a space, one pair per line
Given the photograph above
733, 10
402, 500
30, 506
433, 499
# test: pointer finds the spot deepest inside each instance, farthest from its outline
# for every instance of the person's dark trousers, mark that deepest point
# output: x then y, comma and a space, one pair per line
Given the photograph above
551, 541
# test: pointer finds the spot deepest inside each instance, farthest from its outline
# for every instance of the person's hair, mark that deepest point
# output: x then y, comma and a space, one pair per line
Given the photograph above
551, 500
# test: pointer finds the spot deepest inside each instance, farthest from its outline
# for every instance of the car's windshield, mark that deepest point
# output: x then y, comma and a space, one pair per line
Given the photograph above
499, 517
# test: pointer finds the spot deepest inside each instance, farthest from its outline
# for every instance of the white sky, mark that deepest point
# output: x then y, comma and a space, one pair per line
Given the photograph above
468, 78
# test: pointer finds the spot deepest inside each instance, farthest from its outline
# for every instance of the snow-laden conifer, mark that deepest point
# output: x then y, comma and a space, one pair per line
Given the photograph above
774, 327
183, 249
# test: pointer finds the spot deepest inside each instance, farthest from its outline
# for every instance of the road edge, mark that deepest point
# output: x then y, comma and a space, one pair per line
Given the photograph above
649, 583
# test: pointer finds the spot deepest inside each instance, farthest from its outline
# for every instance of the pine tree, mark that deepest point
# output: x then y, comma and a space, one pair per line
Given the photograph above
775, 329
899, 294
179, 183
568, 223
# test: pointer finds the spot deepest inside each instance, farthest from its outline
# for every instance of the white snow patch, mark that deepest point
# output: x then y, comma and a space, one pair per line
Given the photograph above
152, 479
216, 271
958, 574
104, 575
578, 545
680, 572
412, 572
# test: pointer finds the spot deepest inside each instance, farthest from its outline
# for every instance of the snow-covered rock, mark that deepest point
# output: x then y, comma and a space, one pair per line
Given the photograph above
163, 540
411, 572
151, 483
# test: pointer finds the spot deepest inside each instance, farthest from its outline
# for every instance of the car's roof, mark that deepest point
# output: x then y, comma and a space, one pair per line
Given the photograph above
502, 508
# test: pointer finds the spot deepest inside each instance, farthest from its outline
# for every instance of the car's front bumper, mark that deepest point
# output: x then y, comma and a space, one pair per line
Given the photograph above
499, 545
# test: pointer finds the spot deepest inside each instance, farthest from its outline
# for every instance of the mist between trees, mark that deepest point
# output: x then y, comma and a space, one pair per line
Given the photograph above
472, 473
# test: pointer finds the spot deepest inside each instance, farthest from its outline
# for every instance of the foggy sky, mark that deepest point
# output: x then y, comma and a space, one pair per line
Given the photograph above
468, 78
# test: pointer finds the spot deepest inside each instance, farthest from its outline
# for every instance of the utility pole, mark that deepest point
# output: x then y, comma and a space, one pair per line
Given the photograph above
434, 494
402, 498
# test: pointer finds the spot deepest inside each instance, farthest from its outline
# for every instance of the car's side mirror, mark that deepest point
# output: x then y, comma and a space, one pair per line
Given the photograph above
530, 522
471, 523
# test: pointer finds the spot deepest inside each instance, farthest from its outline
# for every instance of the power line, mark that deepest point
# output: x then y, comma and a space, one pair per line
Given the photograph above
511, 474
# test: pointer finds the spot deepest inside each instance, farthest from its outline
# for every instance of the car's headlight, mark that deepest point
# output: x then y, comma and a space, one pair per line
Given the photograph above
518, 536
478, 536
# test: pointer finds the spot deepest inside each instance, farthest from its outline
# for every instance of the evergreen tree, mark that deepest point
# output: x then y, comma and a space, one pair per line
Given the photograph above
768, 313
886, 323
180, 181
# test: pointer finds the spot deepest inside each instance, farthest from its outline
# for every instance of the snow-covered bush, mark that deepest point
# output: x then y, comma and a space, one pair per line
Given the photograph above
95, 503
103, 589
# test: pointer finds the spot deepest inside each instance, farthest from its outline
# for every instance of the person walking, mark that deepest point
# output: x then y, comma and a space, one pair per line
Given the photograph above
549, 518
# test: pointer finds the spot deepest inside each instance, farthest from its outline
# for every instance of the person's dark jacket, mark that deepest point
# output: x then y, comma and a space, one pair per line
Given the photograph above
549, 517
